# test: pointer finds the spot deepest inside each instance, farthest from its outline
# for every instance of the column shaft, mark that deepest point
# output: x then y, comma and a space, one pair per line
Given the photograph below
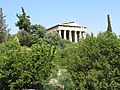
60, 33
70, 36
64, 34
75, 36
80, 36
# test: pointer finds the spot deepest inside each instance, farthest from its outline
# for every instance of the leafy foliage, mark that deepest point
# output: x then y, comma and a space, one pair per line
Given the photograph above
22, 67
94, 62
29, 34
54, 39
34, 59
24, 38
38, 30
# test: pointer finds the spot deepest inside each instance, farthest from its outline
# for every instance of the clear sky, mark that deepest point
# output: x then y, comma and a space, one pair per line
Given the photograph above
91, 13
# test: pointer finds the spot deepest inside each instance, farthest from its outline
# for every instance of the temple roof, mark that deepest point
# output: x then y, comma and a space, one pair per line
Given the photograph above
69, 24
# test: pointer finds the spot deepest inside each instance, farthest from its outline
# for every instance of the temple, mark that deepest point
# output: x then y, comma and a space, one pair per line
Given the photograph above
69, 30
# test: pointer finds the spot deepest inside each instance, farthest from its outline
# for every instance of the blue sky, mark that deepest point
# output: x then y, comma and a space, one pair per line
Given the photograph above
91, 13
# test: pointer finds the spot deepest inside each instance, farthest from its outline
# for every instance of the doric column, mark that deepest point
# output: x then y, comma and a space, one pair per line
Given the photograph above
60, 33
75, 36
85, 35
64, 34
80, 36
70, 36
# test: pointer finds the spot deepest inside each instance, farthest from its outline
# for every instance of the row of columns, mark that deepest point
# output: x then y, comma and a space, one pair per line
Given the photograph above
76, 36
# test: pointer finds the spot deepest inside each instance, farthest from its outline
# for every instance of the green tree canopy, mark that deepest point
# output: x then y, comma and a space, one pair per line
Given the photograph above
24, 21
24, 38
23, 67
54, 39
93, 62
38, 30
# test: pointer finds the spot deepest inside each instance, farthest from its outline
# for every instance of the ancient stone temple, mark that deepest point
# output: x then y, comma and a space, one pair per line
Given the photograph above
69, 30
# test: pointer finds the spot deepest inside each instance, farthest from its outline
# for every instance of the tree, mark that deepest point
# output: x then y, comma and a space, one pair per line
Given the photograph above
93, 62
37, 34
4, 32
109, 28
32, 34
38, 30
7, 59
24, 38
24, 21
54, 39
60, 80
23, 67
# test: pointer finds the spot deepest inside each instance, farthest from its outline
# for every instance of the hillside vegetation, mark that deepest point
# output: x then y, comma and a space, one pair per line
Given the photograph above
33, 59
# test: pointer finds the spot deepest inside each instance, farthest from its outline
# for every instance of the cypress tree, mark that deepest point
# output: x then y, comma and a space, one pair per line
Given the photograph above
109, 28
24, 21
4, 32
